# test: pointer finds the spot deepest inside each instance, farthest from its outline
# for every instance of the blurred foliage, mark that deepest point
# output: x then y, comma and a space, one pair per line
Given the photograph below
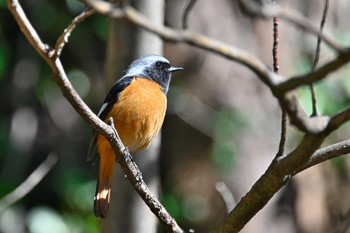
228, 124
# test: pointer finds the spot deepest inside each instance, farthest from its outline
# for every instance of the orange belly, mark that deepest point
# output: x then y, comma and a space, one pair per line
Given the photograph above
138, 115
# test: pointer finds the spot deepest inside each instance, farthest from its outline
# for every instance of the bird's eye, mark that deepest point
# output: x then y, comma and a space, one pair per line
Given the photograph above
159, 64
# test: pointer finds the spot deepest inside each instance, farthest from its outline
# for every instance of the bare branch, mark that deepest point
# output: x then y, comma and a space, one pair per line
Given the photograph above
317, 57
226, 195
326, 153
318, 46
338, 120
283, 136
318, 75
63, 39
186, 13
27, 28
275, 44
270, 11
30, 183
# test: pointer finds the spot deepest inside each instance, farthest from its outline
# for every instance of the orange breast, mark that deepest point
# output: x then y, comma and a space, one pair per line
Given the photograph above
139, 113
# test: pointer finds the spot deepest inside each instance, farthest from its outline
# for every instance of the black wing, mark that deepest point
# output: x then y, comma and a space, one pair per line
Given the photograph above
110, 100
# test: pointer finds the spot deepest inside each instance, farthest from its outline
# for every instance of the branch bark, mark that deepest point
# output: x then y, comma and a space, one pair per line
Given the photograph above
63, 39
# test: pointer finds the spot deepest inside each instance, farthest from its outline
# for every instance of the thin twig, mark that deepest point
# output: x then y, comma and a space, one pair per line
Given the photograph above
283, 136
226, 195
317, 58
275, 44
313, 100
30, 183
63, 39
319, 40
186, 13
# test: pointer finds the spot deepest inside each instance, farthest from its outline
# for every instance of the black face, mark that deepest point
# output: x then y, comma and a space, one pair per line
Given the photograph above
159, 72
162, 66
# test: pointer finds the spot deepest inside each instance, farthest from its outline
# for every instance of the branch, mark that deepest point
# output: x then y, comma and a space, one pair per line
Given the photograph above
318, 45
27, 28
283, 136
186, 13
318, 75
270, 11
326, 153
30, 183
60, 77
316, 59
63, 39
226, 195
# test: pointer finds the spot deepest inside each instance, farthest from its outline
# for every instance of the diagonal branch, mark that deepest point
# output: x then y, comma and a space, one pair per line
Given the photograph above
31, 182
326, 153
283, 135
63, 39
60, 77
27, 28
186, 13
317, 58
342, 59
270, 11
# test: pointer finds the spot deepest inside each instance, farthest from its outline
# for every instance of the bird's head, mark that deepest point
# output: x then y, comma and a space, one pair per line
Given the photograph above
153, 67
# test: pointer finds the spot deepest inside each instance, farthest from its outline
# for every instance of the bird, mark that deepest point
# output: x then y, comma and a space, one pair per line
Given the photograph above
137, 103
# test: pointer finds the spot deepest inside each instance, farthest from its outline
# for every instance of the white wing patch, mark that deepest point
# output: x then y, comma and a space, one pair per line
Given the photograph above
104, 106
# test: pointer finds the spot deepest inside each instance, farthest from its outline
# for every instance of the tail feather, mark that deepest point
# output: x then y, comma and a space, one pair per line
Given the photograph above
104, 183
102, 199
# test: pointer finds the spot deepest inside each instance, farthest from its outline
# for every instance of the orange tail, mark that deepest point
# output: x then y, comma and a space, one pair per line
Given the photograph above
104, 183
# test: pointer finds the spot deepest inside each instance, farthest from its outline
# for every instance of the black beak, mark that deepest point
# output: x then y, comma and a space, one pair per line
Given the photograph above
174, 69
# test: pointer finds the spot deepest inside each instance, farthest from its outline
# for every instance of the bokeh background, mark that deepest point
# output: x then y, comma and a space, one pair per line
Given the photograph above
222, 123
